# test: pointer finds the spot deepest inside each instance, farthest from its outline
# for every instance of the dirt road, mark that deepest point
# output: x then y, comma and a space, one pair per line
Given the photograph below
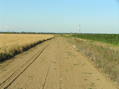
54, 64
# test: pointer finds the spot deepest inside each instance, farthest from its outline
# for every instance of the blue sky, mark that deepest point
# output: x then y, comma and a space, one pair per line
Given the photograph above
94, 16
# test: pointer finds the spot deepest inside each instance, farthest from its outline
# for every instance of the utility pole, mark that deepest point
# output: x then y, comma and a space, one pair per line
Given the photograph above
79, 28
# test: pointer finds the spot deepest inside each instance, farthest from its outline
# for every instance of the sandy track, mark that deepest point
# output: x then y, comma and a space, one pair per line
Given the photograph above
52, 65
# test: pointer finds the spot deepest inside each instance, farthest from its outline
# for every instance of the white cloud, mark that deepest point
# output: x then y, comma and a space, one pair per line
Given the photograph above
10, 28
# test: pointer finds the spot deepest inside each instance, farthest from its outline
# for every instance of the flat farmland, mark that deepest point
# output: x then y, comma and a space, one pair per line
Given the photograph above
58, 63
11, 44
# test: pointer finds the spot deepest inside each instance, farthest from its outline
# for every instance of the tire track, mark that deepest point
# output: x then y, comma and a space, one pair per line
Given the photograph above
5, 84
43, 86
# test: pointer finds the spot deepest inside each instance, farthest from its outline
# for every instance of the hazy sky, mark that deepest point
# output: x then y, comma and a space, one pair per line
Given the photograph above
100, 16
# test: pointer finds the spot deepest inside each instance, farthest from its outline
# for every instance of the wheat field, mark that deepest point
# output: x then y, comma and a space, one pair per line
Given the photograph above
12, 44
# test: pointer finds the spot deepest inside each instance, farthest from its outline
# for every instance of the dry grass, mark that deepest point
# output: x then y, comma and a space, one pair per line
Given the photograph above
105, 56
12, 44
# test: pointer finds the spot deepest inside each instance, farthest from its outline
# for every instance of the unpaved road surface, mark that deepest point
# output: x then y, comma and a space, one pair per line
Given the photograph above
54, 64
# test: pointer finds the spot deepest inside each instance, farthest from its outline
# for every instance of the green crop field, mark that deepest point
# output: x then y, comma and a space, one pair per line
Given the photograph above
109, 38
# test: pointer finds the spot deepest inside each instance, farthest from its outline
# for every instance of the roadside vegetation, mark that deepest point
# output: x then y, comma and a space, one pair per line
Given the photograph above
108, 38
105, 56
12, 44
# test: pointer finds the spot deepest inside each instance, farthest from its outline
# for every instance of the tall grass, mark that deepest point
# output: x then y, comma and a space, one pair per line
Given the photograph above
12, 44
